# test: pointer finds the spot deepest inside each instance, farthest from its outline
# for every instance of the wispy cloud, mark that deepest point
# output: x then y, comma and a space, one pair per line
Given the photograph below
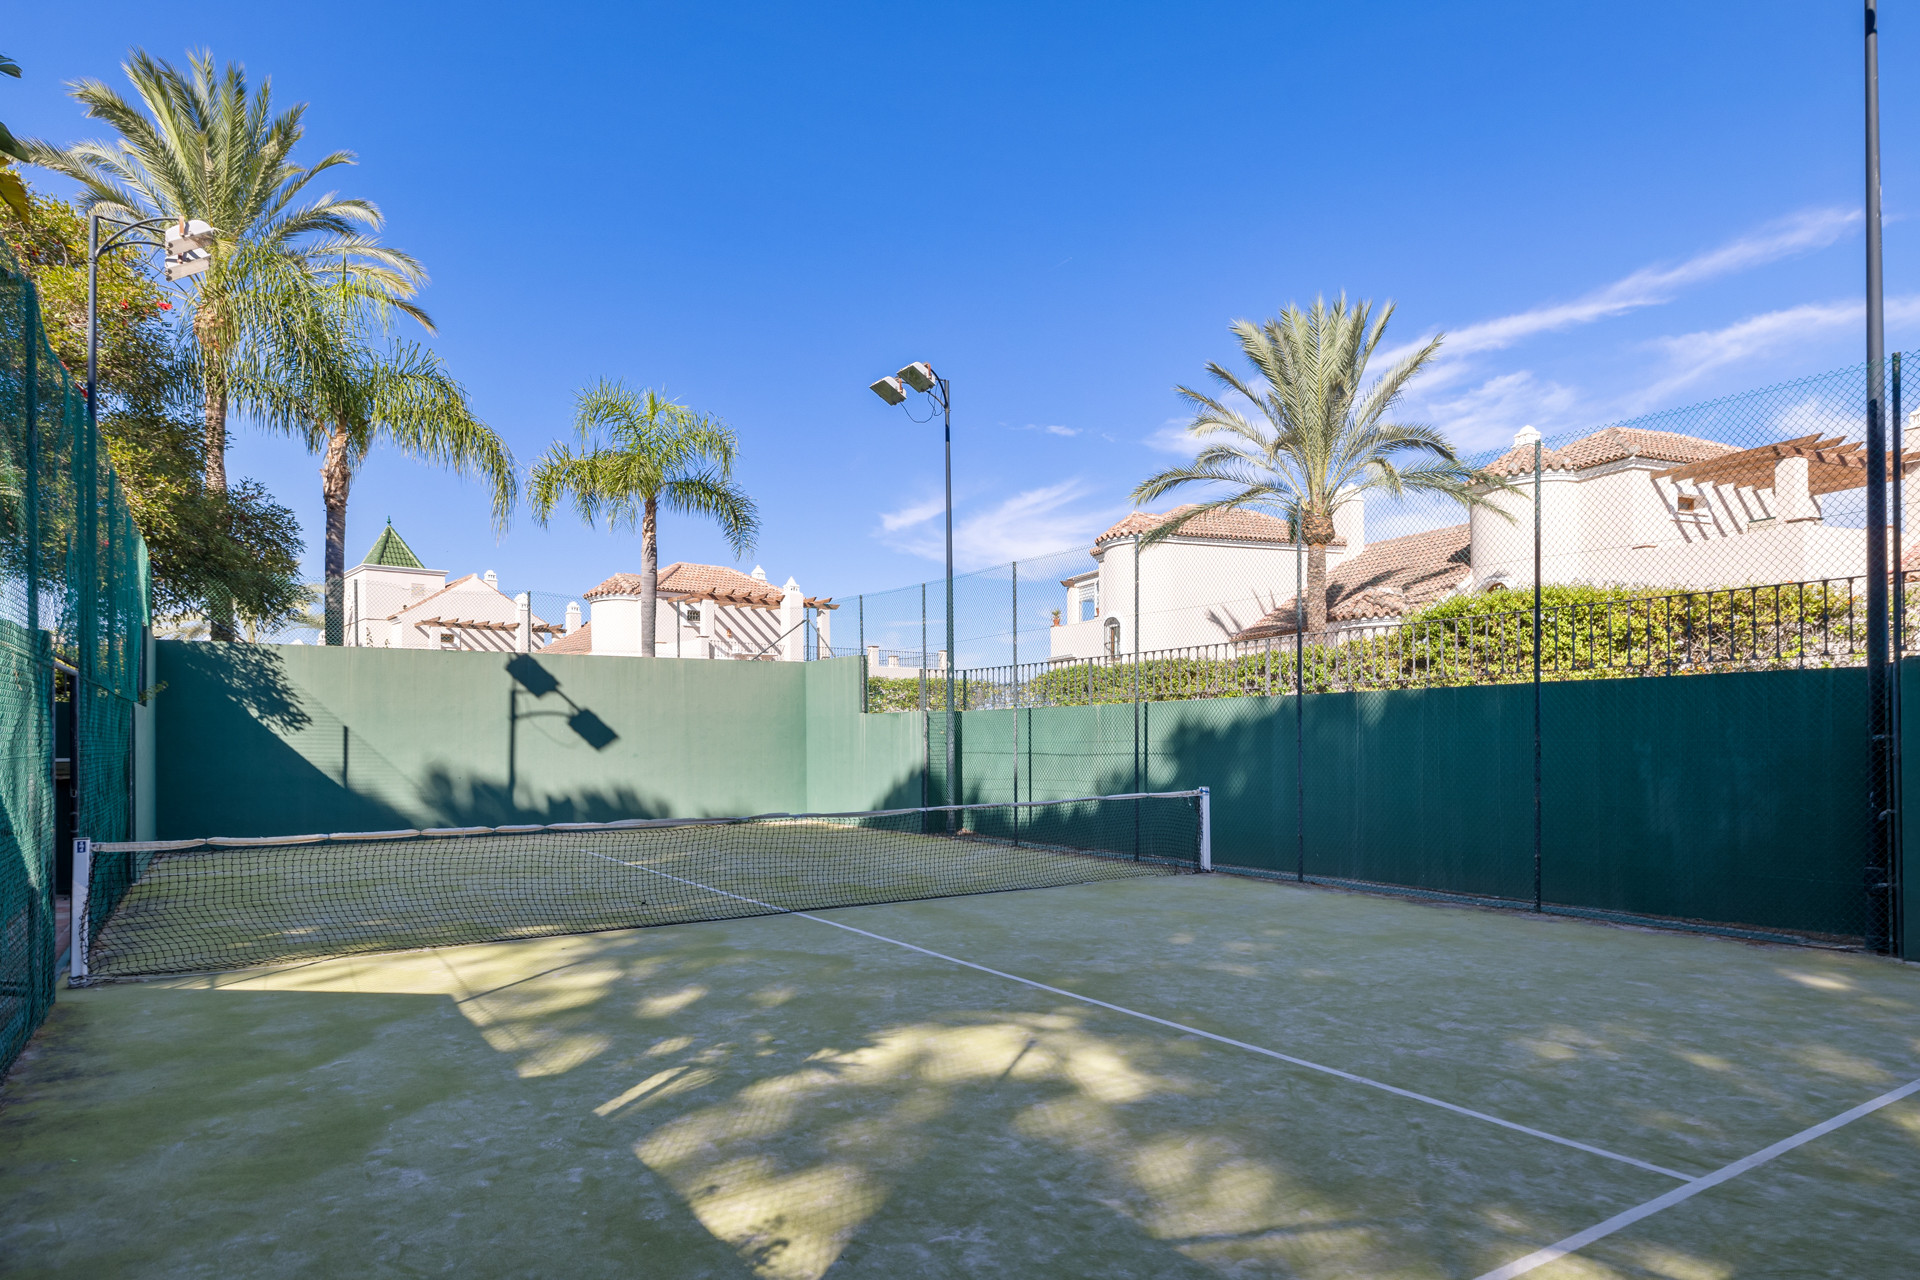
1053, 429
1693, 356
1647, 287
1033, 522
913, 514
1487, 415
1171, 437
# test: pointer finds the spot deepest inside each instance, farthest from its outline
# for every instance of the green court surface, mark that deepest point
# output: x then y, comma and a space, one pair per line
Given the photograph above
782, 1098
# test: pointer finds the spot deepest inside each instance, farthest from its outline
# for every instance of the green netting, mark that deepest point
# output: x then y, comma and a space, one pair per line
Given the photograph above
73, 592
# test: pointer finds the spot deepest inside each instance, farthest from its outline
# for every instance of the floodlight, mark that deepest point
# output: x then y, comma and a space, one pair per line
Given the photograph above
191, 233
919, 376
890, 390
191, 262
187, 253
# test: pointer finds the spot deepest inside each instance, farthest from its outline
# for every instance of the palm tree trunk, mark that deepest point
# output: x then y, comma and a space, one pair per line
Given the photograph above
336, 476
214, 462
649, 573
1316, 588
1317, 528
215, 437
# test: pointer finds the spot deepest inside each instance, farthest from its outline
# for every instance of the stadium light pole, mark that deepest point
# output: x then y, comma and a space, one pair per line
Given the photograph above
921, 377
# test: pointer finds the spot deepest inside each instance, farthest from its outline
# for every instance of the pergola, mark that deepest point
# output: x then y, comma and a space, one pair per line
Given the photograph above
1832, 465
476, 624
767, 599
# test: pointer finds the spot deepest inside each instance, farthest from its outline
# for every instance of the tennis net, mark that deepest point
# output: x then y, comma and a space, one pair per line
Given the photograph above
203, 905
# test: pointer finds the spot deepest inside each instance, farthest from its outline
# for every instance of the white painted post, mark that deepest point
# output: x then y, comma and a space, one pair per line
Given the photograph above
79, 942
793, 609
1206, 828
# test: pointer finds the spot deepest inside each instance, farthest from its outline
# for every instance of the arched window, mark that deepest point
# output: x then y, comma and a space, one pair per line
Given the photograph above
1113, 637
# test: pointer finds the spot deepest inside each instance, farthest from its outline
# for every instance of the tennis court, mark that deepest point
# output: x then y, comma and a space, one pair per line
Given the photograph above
1187, 1075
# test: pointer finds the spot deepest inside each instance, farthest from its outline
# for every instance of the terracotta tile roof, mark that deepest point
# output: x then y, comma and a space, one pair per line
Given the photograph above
579, 640
679, 580
1611, 444
1387, 580
1232, 526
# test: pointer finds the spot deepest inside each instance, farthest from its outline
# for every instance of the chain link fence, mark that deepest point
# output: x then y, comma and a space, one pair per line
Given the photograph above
1485, 739
73, 618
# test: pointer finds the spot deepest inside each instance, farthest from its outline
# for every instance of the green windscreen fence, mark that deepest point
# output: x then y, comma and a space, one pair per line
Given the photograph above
73, 596
1643, 676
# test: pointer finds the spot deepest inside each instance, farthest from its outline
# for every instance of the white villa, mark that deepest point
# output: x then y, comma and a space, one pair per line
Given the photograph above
1220, 574
394, 601
1624, 506
703, 611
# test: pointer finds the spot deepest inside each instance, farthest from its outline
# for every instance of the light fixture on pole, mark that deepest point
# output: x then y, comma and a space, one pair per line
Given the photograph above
920, 377
189, 249
193, 238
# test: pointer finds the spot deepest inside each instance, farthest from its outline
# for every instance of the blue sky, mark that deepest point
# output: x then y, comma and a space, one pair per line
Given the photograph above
1609, 210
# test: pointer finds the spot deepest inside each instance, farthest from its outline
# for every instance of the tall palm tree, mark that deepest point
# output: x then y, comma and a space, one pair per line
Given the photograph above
1320, 435
328, 375
640, 451
201, 144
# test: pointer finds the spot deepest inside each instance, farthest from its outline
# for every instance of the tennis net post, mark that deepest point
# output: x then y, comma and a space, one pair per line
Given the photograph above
79, 941
1206, 828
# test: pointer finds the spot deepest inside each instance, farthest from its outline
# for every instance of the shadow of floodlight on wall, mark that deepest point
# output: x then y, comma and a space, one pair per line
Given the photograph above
539, 682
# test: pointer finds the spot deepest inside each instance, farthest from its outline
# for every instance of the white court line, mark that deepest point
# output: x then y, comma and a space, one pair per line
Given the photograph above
1185, 1029
1580, 1240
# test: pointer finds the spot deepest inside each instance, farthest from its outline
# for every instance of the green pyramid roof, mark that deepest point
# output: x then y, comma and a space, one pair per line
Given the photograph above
392, 551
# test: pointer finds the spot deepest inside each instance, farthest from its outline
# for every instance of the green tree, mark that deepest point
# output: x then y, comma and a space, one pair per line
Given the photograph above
202, 144
639, 451
1319, 435
329, 374
210, 550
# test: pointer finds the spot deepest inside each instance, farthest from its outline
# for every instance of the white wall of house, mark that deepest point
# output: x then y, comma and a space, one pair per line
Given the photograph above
470, 599
1618, 525
374, 593
1193, 591
706, 629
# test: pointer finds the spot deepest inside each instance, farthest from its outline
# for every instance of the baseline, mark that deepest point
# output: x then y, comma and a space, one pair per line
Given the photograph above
1184, 1029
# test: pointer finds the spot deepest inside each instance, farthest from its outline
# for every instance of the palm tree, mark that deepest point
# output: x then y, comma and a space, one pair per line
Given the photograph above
639, 451
202, 145
1321, 435
324, 375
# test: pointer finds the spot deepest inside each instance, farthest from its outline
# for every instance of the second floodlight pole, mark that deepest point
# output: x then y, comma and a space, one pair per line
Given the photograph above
1878, 933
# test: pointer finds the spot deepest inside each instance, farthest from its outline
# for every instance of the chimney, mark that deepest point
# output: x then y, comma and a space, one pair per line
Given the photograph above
573, 616
491, 578
523, 622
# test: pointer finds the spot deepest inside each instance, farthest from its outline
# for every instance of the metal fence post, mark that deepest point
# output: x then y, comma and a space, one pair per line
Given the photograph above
1538, 829
1299, 705
1896, 862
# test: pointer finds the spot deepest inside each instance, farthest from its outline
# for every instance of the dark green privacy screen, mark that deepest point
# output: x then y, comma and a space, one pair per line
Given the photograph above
73, 575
